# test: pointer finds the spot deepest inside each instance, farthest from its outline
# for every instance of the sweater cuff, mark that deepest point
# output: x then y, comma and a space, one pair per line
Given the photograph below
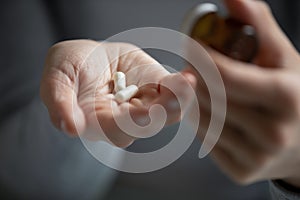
283, 191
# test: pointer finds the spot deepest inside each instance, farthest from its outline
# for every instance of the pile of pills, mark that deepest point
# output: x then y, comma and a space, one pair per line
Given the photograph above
123, 93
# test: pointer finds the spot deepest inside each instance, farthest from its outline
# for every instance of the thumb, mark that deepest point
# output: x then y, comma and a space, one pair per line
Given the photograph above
258, 14
60, 98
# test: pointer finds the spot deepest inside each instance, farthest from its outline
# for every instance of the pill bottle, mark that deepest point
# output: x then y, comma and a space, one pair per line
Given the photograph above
225, 34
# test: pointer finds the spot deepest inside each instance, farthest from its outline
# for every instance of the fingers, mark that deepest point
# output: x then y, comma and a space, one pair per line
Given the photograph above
256, 131
125, 122
259, 127
245, 82
228, 163
239, 157
113, 132
176, 94
253, 86
272, 40
59, 84
234, 141
60, 98
61, 88
250, 11
234, 152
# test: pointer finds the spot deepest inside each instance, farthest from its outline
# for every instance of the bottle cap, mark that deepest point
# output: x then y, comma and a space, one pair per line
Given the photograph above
197, 12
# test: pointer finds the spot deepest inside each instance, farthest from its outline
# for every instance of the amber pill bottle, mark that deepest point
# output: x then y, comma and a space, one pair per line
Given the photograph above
225, 34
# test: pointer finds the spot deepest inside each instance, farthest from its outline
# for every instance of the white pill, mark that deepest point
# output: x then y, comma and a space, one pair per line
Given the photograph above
119, 79
126, 94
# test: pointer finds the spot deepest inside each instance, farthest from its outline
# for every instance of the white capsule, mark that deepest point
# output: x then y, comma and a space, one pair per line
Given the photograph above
126, 94
119, 79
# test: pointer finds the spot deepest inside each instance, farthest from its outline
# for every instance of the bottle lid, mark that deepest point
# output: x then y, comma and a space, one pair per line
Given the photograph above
192, 16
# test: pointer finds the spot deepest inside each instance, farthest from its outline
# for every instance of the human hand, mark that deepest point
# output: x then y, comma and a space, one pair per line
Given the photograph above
261, 135
76, 85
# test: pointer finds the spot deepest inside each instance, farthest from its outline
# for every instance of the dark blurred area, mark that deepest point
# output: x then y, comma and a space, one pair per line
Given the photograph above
287, 15
29, 28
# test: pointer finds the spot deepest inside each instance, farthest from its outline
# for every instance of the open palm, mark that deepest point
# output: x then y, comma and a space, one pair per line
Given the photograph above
77, 88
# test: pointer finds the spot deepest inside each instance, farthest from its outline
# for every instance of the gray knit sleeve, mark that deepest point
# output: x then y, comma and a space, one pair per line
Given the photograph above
280, 192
